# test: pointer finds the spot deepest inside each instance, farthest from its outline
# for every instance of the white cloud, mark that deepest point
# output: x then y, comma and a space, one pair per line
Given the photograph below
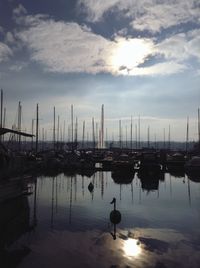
149, 15
9, 38
181, 46
5, 52
66, 47
70, 48
19, 10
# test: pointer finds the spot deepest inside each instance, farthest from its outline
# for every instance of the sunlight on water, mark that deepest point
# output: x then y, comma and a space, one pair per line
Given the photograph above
132, 248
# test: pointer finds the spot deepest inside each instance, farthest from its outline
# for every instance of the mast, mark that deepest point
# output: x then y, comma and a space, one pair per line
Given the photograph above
76, 132
131, 133
83, 136
93, 133
72, 125
32, 127
19, 124
148, 136
136, 141
139, 132
64, 132
1, 122
187, 135
120, 138
126, 137
43, 139
37, 125
4, 120
102, 126
155, 141
199, 127
164, 138
58, 132
54, 127
169, 138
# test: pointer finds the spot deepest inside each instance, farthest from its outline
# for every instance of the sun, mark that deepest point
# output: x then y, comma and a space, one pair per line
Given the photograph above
132, 248
129, 53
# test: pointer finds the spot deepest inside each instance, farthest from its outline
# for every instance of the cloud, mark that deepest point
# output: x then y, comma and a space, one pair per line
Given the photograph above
149, 15
159, 15
165, 68
19, 10
9, 38
181, 46
67, 47
17, 67
5, 52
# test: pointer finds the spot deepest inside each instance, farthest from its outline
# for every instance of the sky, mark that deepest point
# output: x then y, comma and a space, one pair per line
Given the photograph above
135, 57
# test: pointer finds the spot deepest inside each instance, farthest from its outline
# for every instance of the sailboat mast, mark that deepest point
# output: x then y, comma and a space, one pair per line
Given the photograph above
19, 124
199, 127
54, 127
37, 127
139, 132
72, 125
120, 138
187, 135
102, 126
169, 138
93, 134
83, 136
131, 133
1, 122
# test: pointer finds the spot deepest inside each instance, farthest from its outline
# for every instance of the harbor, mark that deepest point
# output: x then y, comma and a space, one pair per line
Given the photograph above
63, 193
99, 134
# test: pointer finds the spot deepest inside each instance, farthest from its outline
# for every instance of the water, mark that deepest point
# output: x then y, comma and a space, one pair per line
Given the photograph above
70, 227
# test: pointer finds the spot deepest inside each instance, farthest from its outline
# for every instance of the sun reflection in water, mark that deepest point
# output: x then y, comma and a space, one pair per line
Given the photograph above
132, 248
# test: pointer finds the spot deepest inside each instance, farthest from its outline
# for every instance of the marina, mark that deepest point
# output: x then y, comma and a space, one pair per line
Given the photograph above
99, 134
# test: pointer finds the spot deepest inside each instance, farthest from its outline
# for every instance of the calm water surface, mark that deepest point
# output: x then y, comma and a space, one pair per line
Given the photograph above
160, 223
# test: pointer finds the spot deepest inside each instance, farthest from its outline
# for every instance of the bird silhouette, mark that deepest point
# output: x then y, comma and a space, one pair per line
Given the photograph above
115, 217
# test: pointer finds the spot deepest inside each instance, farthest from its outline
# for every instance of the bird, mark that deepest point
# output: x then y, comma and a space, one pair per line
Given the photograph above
90, 187
115, 217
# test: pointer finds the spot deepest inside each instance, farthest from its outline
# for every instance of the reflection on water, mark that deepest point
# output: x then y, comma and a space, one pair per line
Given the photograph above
132, 247
70, 226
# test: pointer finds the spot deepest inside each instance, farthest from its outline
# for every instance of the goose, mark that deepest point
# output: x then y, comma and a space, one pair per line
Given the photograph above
115, 215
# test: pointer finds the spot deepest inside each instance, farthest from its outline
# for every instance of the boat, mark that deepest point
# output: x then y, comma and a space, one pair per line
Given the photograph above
175, 162
192, 168
123, 163
149, 164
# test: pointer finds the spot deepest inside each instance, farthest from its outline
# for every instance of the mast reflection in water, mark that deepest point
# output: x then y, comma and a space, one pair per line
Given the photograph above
159, 224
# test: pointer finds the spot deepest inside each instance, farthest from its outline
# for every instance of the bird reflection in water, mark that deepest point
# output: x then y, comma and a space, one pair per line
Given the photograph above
91, 187
115, 217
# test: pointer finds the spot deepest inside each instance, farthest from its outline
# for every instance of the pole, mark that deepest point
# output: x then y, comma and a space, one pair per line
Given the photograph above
93, 133
54, 127
131, 133
37, 128
72, 125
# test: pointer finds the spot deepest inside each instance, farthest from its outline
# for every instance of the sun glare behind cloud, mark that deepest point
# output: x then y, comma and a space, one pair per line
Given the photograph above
129, 53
